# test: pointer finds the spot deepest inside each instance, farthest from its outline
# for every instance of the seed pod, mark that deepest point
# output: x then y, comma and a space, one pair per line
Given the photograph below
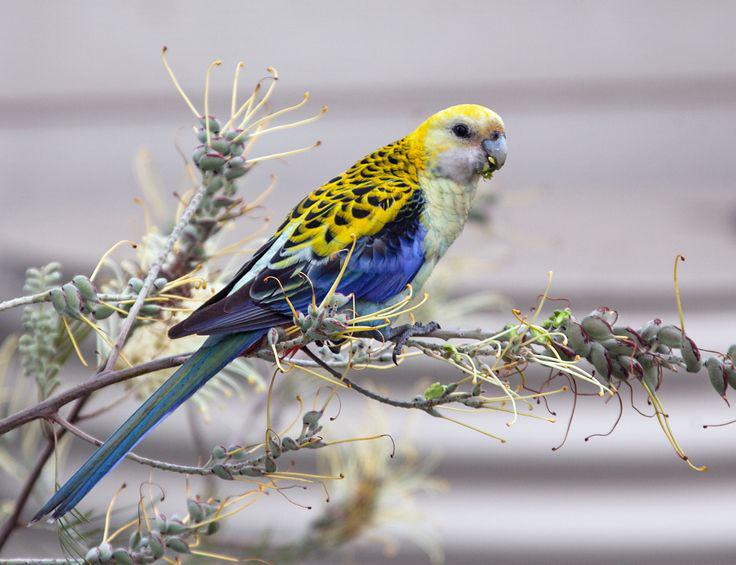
576, 338
619, 371
670, 336
102, 311
691, 355
288, 444
156, 544
135, 284
269, 465
222, 472
250, 471
105, 552
93, 556
218, 452
213, 124
717, 375
597, 328
85, 286
607, 314
274, 447
236, 149
177, 544
619, 346
600, 359
232, 173
629, 333
212, 528
214, 183
198, 153
73, 298
176, 526
732, 352
122, 556
150, 309
134, 541
202, 135
236, 452
474, 402
196, 512
731, 374
452, 387
651, 376
159, 523
220, 145
311, 418
159, 283
58, 300
211, 161
632, 365
565, 352
649, 330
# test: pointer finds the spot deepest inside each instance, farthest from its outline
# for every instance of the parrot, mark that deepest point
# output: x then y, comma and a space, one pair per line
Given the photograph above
399, 209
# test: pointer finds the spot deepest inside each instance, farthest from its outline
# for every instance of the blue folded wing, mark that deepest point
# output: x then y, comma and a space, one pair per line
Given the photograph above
379, 269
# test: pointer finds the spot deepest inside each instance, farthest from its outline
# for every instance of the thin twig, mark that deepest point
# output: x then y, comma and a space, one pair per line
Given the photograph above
46, 297
51, 405
425, 405
152, 274
186, 469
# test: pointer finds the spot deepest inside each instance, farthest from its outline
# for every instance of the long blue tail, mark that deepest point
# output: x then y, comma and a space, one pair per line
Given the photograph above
212, 357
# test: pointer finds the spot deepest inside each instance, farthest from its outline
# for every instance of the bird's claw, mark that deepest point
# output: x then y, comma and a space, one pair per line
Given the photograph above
402, 334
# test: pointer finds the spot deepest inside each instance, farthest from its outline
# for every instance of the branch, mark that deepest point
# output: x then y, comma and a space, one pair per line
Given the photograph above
185, 469
153, 274
50, 406
425, 405
46, 297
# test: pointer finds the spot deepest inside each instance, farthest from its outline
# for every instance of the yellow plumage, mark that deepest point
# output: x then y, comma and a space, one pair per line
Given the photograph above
372, 193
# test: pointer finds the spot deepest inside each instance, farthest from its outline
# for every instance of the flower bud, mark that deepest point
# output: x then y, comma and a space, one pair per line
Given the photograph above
122, 556
596, 327
691, 355
649, 330
177, 544
85, 286
717, 375
73, 298
670, 336
102, 311
600, 359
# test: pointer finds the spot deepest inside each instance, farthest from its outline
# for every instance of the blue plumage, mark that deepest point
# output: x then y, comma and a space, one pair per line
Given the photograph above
213, 356
379, 270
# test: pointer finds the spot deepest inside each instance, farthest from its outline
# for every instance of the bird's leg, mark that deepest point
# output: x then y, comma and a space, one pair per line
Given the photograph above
399, 335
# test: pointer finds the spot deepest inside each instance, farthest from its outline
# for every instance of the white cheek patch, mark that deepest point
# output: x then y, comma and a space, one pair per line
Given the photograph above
460, 163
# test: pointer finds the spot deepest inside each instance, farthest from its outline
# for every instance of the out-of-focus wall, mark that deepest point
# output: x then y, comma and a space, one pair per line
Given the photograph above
620, 118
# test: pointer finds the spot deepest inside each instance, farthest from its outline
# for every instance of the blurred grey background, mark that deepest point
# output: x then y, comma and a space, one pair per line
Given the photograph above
621, 120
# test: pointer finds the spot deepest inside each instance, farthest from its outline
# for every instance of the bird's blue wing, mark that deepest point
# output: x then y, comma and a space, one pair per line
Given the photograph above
381, 266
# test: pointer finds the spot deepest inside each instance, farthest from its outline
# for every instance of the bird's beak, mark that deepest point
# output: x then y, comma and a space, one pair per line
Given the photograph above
495, 148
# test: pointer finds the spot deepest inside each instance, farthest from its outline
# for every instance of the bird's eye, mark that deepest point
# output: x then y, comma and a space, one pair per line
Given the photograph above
461, 130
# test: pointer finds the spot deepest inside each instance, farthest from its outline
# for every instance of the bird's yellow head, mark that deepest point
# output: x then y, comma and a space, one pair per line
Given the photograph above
462, 142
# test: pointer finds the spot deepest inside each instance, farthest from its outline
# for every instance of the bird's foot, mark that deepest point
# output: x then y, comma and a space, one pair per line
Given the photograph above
401, 334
